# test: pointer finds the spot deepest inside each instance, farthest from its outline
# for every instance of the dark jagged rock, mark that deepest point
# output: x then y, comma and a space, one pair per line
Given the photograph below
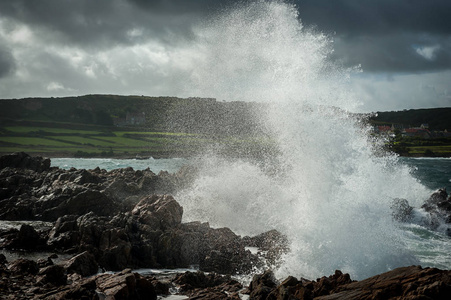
64, 234
83, 264
439, 208
24, 266
401, 283
25, 161
86, 201
26, 238
3, 260
31, 190
437, 197
198, 285
51, 282
116, 220
44, 262
125, 285
159, 212
262, 285
54, 274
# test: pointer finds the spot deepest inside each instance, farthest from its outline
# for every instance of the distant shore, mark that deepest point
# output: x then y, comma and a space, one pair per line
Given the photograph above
163, 155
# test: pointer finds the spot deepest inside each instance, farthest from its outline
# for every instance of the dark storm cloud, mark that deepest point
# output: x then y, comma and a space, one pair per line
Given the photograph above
381, 35
7, 63
66, 47
103, 23
353, 17
395, 53
385, 35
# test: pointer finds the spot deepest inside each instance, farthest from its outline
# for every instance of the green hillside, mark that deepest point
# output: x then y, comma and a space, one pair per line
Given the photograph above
110, 125
436, 118
128, 126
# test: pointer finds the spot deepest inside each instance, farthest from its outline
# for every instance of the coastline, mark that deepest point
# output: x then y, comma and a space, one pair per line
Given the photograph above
169, 154
124, 219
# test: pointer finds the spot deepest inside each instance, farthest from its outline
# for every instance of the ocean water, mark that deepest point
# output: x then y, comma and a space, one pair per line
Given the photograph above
170, 165
435, 173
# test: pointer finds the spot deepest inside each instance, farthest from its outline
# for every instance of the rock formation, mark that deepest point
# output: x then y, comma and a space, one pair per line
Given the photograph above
126, 219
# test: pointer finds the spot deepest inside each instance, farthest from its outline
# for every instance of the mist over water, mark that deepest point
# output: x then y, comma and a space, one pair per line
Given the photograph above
326, 189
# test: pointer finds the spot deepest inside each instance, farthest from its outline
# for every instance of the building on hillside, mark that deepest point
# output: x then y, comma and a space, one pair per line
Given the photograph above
442, 134
416, 132
382, 129
399, 127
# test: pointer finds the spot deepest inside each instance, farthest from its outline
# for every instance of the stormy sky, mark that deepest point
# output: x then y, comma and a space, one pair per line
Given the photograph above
142, 47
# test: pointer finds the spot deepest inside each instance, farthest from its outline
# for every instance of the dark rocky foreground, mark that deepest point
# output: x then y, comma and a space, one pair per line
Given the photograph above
126, 219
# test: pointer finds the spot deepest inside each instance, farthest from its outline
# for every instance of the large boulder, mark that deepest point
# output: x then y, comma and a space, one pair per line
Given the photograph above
198, 285
438, 207
159, 211
86, 201
64, 235
125, 285
27, 238
54, 274
23, 266
84, 264
262, 285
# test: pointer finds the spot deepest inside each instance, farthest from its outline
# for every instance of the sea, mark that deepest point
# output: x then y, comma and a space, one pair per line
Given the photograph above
434, 173
170, 165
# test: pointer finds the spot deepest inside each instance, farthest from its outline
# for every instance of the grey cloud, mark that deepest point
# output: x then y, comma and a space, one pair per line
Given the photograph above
104, 23
382, 35
7, 62
397, 53
355, 18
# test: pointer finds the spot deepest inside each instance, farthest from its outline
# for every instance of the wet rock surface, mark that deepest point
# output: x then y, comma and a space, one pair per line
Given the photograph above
435, 213
411, 282
22, 280
122, 219
439, 208
125, 219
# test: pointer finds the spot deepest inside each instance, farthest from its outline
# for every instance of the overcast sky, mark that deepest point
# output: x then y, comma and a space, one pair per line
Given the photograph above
139, 47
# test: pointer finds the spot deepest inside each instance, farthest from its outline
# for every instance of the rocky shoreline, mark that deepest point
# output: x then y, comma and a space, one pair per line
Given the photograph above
124, 219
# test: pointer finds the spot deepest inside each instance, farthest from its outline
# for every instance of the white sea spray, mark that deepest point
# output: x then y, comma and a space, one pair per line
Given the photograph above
331, 194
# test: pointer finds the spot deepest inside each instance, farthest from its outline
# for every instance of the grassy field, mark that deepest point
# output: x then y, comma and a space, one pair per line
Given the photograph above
27, 130
113, 142
63, 142
442, 151
74, 142
405, 146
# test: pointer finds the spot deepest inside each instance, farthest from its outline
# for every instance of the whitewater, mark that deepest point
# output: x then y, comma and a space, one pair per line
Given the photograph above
330, 186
